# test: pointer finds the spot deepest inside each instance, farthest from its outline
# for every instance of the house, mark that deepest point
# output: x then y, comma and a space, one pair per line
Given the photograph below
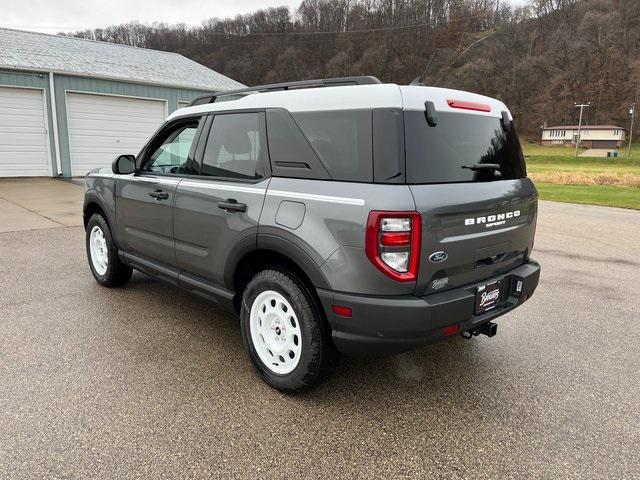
68, 105
592, 136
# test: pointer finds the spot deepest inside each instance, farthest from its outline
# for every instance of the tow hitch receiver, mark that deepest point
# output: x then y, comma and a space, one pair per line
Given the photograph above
489, 329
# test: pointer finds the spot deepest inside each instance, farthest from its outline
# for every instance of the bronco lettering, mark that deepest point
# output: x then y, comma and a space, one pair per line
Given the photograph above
490, 220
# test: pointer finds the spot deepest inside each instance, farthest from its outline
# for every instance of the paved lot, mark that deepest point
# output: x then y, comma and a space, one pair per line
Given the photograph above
147, 381
35, 203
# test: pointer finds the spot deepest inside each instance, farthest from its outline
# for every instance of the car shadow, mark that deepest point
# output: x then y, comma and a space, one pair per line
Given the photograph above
435, 373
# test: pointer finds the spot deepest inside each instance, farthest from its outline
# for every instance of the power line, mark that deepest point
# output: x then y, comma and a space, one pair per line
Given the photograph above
194, 27
276, 41
242, 39
347, 32
333, 32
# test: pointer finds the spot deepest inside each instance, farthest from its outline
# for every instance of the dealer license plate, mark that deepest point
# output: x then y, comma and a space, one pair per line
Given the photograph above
488, 296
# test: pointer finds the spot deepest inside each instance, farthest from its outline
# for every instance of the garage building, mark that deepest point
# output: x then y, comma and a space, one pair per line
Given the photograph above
68, 105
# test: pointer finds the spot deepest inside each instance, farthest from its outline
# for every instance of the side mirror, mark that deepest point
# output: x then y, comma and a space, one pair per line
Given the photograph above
124, 165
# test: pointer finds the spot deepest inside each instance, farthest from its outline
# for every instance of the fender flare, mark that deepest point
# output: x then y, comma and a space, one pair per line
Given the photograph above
93, 197
279, 245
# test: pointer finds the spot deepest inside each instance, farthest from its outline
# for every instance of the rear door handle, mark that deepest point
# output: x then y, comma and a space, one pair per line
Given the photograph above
159, 195
232, 205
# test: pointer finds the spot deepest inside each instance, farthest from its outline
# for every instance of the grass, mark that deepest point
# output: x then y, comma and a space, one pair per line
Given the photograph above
606, 195
562, 177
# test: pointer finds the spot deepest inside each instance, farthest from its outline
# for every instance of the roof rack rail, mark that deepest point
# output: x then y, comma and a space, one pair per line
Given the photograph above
321, 82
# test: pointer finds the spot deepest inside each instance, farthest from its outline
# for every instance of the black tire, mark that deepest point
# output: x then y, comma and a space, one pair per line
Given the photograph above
117, 273
318, 354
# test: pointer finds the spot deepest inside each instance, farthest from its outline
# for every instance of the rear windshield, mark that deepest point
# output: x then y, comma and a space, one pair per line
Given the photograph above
438, 154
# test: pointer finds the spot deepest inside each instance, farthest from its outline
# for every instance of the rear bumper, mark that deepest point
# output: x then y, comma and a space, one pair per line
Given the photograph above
390, 325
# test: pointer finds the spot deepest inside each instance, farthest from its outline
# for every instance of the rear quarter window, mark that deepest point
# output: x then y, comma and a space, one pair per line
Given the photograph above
290, 153
342, 140
437, 154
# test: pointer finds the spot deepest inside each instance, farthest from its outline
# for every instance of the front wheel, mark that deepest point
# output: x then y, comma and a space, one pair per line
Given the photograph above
283, 332
102, 254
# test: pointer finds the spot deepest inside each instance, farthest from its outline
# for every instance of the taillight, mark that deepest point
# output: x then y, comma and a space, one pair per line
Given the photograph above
392, 243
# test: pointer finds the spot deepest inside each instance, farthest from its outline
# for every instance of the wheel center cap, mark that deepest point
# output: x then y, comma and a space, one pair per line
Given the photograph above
278, 331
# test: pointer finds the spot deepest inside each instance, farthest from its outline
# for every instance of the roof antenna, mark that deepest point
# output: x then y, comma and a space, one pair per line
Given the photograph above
419, 81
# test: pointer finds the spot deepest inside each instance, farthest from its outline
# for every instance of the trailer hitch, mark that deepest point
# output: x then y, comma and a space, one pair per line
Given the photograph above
489, 329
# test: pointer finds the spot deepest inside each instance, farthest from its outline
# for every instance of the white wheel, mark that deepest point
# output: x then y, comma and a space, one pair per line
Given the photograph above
99, 252
275, 332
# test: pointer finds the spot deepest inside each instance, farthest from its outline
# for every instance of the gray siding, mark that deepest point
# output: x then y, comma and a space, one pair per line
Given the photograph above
65, 83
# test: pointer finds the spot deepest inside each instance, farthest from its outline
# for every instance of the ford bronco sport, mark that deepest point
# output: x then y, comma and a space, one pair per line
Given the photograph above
359, 217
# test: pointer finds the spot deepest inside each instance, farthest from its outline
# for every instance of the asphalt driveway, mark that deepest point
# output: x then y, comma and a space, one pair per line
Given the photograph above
148, 381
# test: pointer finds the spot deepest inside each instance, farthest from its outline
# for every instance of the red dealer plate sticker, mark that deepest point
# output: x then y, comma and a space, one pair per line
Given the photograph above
488, 296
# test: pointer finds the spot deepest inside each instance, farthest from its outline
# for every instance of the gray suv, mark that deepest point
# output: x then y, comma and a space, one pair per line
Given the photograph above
338, 215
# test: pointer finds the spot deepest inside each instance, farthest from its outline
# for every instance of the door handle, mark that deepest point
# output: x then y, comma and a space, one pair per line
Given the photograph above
232, 205
159, 195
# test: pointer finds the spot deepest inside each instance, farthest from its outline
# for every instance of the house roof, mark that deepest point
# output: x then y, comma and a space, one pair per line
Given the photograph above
585, 127
43, 52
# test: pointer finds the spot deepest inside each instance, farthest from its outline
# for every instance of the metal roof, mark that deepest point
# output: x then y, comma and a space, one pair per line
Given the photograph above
43, 52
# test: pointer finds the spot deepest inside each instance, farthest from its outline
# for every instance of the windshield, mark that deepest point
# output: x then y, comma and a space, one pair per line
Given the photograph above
438, 154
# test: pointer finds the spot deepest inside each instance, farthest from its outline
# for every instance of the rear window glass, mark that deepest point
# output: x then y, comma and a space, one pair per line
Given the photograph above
342, 140
438, 154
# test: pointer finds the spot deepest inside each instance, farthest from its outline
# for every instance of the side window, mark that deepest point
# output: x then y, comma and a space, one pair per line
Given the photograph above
388, 146
290, 152
172, 154
343, 141
234, 147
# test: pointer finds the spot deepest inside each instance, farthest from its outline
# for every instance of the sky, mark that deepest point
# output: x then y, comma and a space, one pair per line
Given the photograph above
52, 16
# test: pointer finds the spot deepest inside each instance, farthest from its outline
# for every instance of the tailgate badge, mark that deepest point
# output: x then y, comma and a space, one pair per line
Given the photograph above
493, 220
438, 257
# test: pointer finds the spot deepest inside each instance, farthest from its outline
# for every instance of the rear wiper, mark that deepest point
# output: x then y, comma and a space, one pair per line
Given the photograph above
478, 167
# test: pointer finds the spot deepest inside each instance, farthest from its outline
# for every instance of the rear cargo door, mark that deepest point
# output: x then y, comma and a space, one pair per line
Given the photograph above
478, 208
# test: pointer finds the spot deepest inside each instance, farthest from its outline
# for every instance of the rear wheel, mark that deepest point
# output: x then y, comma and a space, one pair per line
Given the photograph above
283, 332
102, 254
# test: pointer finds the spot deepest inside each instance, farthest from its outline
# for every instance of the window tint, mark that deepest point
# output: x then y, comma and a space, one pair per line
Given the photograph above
437, 154
234, 147
388, 146
342, 140
290, 152
172, 155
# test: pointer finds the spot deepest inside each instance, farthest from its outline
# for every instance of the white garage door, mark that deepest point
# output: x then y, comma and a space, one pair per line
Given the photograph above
101, 127
23, 135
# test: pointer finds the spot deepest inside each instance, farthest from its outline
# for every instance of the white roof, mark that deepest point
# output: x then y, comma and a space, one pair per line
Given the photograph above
88, 58
414, 97
352, 98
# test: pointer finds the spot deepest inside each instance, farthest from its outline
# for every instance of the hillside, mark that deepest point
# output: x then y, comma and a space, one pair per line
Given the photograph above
539, 59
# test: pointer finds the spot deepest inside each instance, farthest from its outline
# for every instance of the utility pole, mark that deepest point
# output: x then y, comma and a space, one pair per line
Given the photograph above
632, 112
581, 107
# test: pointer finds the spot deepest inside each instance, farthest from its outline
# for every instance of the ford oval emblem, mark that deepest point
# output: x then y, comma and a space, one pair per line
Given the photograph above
438, 257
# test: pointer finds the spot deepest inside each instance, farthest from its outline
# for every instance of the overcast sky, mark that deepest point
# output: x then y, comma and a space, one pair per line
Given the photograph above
53, 16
